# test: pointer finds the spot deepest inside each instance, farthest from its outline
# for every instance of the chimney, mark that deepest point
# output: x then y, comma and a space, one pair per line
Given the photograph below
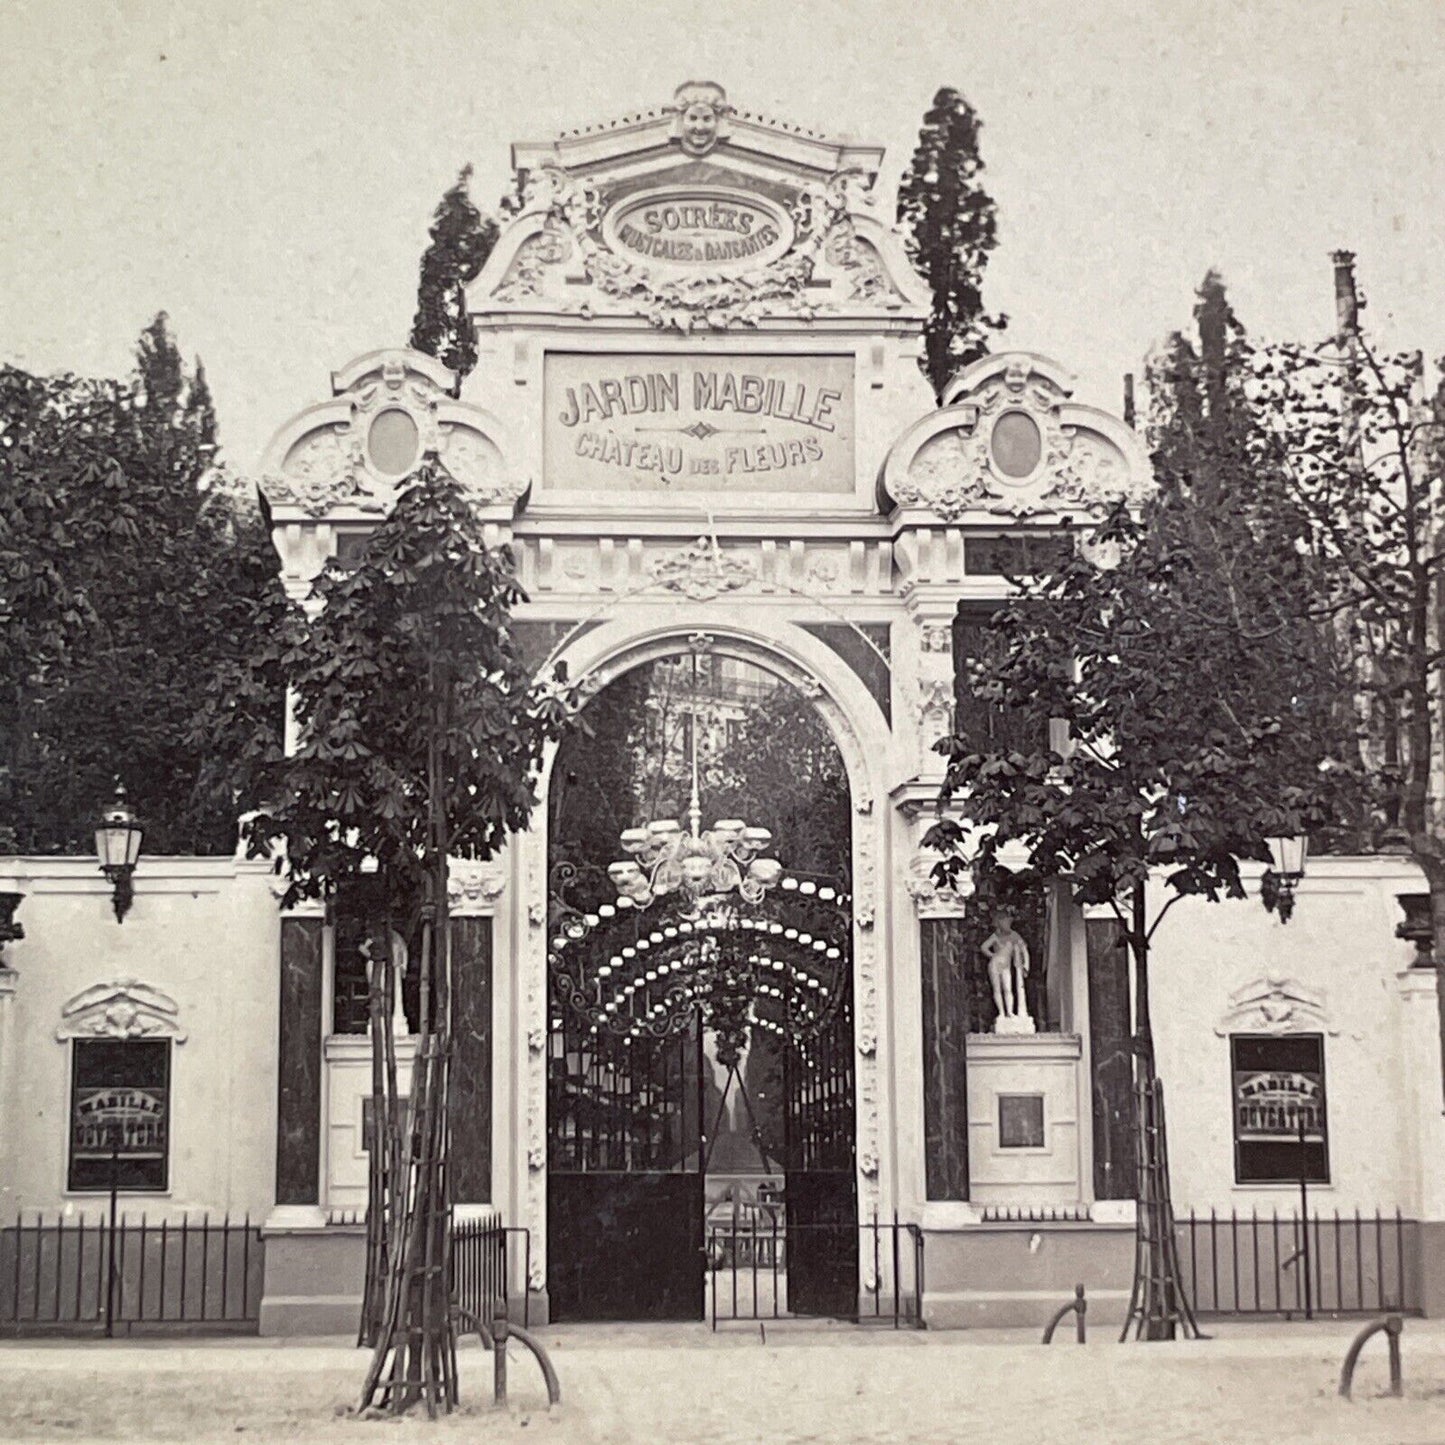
1347, 299
1128, 398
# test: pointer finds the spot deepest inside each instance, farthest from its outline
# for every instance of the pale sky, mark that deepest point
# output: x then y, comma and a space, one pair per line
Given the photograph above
265, 170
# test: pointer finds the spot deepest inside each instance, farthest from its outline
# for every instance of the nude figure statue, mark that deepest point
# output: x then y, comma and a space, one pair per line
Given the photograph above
1008, 967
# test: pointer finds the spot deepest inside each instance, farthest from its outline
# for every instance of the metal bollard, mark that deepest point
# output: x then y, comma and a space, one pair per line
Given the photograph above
1391, 1326
501, 1328
1079, 1305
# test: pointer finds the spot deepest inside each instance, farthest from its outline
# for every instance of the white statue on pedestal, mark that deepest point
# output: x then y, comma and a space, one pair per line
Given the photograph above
1008, 967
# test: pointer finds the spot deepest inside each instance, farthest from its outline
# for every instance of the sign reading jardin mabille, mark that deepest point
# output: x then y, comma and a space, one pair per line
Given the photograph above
724, 423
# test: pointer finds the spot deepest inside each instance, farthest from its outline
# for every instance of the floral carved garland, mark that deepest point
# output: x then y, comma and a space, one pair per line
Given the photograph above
717, 300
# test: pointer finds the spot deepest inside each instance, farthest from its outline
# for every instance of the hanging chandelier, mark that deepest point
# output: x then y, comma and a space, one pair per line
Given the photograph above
664, 858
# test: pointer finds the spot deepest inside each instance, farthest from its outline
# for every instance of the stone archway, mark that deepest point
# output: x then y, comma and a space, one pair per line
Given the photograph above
865, 744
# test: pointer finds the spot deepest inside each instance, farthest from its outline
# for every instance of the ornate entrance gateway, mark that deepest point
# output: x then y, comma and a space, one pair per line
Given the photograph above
669, 1039
700, 1041
697, 419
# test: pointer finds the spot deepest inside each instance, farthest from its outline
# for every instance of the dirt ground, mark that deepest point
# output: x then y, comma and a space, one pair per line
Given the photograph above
683, 1384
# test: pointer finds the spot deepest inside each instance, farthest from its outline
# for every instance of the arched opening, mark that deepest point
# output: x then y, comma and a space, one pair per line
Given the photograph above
700, 1080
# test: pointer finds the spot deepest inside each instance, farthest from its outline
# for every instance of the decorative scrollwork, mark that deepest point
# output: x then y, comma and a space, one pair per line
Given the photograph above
702, 571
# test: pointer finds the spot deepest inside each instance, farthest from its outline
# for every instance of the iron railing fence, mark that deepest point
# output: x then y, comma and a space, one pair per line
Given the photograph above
1339, 1264
747, 1271
115, 1276
484, 1265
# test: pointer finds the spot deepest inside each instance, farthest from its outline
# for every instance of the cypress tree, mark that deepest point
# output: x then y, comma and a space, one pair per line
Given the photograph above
461, 240
950, 226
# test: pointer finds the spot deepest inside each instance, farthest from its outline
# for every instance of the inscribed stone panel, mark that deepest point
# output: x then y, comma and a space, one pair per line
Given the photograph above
727, 423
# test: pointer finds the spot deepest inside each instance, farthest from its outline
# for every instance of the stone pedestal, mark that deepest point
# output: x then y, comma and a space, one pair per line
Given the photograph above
1014, 1084
313, 1280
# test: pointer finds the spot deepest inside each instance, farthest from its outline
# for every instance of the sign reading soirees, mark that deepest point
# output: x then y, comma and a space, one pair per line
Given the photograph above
720, 231
718, 423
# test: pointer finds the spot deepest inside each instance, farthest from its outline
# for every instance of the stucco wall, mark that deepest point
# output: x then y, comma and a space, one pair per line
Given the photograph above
1340, 946
203, 931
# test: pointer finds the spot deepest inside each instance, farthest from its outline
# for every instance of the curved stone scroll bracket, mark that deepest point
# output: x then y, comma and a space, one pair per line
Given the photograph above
125, 1009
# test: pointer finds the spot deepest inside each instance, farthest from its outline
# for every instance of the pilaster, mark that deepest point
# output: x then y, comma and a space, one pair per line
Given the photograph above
1419, 990
9, 981
930, 559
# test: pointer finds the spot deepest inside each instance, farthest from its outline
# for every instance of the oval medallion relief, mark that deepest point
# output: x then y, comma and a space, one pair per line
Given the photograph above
698, 229
1017, 446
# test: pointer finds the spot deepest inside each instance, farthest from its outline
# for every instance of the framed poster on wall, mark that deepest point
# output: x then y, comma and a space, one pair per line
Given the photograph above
120, 1114
1281, 1130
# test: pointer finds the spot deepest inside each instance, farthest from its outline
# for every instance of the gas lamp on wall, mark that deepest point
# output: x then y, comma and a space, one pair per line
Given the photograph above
117, 846
1278, 882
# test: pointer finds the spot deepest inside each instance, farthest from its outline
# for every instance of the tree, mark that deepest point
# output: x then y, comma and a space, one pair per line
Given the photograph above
950, 227
422, 733
461, 240
1232, 512
1362, 447
128, 566
783, 770
1179, 764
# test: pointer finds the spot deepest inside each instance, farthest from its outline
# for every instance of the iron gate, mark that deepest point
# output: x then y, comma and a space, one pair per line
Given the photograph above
625, 1180
653, 1021
820, 1197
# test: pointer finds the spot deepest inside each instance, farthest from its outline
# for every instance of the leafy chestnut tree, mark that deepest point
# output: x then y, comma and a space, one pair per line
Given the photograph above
1180, 760
950, 226
129, 566
420, 735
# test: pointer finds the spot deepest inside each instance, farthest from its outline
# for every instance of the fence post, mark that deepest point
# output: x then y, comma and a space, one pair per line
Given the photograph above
110, 1242
1304, 1217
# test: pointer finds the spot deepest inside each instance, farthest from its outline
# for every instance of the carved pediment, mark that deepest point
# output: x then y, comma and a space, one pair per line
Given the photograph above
1276, 1006
697, 216
347, 456
125, 1009
1008, 441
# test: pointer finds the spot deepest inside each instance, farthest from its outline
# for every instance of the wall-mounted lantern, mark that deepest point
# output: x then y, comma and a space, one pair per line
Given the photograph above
117, 845
1278, 883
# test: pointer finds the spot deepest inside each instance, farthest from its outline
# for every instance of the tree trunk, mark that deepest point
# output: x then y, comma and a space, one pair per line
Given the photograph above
415, 1356
378, 1013
1158, 1305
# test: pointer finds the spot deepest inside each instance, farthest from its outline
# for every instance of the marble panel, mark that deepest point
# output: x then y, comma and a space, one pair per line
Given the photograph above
298, 1090
471, 1101
944, 954
1113, 1069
